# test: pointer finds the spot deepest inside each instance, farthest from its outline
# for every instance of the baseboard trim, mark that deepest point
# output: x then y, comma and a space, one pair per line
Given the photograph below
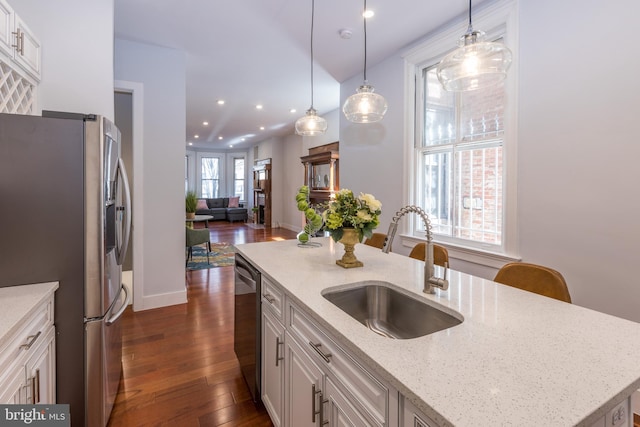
163, 300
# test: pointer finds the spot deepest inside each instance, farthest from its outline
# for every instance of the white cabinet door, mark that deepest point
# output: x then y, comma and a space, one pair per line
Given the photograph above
6, 27
272, 367
341, 412
40, 370
27, 55
13, 390
303, 387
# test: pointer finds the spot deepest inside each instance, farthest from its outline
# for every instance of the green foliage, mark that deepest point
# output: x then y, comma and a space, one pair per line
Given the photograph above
347, 211
191, 201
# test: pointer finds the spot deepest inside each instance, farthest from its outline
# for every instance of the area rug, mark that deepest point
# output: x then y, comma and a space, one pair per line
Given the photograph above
221, 255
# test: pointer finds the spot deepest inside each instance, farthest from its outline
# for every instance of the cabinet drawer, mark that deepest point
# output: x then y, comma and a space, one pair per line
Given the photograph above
28, 336
368, 391
272, 297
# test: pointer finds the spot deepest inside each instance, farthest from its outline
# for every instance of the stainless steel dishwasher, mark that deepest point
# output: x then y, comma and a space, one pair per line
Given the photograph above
247, 323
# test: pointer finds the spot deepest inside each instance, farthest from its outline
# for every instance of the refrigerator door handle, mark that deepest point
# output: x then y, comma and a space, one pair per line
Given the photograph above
122, 251
116, 316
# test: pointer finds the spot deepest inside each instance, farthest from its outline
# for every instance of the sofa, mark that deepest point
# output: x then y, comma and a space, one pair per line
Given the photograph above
222, 208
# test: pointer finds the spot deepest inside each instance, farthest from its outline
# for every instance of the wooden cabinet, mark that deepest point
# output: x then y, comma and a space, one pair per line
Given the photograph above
304, 398
412, 417
18, 44
262, 191
27, 359
322, 172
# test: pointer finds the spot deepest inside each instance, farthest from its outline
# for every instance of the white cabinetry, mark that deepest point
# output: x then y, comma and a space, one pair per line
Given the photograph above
18, 44
272, 353
310, 380
27, 359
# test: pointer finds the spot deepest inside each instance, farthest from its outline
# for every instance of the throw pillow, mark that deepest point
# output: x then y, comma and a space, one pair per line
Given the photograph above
202, 205
234, 202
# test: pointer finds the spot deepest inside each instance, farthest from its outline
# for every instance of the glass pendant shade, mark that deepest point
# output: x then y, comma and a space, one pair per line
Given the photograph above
365, 106
475, 64
311, 124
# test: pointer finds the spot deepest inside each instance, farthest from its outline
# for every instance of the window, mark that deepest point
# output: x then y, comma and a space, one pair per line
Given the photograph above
210, 177
186, 174
238, 177
459, 160
462, 148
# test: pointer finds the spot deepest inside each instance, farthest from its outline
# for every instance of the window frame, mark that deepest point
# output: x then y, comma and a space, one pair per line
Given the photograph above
234, 158
498, 20
209, 155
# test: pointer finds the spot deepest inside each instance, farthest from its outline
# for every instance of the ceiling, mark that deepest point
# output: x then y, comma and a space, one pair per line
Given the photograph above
249, 52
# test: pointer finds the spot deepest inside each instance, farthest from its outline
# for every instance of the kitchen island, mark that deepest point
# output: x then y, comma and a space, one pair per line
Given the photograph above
517, 359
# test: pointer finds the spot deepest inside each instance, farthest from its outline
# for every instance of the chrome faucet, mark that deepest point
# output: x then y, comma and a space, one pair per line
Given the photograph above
430, 280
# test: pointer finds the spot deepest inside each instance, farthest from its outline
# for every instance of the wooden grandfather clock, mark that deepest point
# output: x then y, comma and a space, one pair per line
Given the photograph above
321, 172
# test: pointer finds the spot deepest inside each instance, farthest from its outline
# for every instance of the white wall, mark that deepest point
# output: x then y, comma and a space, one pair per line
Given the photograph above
77, 53
577, 147
162, 73
371, 155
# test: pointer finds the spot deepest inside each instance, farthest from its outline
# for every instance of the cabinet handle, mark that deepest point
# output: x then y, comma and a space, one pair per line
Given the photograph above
19, 41
269, 298
322, 402
316, 347
32, 339
278, 344
314, 411
37, 386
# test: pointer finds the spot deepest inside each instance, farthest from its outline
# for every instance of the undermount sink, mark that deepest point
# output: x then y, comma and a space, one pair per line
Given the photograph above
389, 312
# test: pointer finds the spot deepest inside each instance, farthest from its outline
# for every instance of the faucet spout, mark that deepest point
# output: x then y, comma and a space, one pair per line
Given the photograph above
430, 279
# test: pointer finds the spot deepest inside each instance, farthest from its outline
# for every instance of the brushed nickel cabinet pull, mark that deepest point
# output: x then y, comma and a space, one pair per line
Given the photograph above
316, 347
314, 411
269, 298
278, 344
32, 339
322, 402
37, 386
19, 41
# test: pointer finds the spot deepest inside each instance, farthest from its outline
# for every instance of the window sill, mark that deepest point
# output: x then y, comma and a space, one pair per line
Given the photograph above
476, 256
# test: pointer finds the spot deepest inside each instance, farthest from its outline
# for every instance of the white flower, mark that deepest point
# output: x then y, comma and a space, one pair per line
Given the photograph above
373, 204
364, 216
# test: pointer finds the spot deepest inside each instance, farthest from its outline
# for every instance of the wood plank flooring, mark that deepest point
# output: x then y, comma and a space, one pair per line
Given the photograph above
179, 365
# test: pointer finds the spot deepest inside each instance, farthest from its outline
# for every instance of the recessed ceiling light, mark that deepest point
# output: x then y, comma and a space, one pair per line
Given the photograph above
243, 139
293, 110
261, 127
368, 13
259, 106
220, 137
220, 101
191, 143
196, 136
230, 145
205, 123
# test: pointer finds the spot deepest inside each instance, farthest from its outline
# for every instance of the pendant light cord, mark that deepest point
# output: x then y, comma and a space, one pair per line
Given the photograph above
313, 7
470, 27
364, 18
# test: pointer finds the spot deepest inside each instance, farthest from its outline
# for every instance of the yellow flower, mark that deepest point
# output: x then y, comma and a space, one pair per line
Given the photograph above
364, 216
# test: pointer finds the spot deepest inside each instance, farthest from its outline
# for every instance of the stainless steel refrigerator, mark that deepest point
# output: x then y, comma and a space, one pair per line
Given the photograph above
65, 216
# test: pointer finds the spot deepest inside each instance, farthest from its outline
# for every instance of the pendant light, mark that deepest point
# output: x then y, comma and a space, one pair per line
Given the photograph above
475, 63
365, 106
311, 124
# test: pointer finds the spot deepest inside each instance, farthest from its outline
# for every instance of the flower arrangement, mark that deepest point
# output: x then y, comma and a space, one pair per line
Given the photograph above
347, 211
313, 219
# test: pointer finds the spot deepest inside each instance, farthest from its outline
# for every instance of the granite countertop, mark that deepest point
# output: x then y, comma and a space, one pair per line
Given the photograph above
517, 359
18, 302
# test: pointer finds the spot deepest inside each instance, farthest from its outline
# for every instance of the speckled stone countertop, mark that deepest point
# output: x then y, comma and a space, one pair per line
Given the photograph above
517, 359
18, 302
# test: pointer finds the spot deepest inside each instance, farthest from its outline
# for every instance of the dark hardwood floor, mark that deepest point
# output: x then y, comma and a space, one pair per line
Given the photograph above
179, 365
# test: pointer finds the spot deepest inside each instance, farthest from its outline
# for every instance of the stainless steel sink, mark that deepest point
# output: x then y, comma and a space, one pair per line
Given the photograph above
389, 312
